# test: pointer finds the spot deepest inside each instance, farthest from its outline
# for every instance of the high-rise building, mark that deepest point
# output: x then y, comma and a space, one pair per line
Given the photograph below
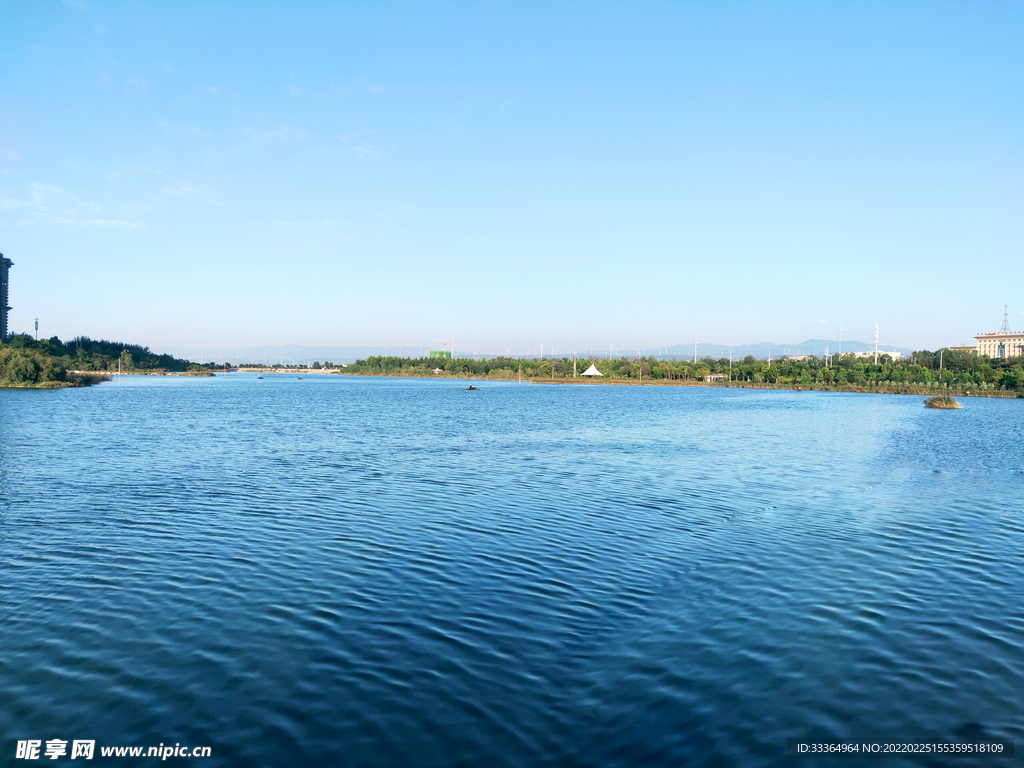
5, 266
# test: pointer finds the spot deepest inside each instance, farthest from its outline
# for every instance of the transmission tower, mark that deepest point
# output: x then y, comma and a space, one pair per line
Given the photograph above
1006, 320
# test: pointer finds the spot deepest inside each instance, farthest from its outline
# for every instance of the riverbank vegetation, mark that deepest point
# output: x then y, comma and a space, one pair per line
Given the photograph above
51, 363
20, 369
922, 372
942, 401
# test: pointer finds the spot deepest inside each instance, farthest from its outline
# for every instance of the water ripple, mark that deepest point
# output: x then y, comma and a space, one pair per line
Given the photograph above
387, 572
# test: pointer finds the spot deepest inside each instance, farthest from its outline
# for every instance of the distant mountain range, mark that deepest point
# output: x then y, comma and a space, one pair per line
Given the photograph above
761, 350
299, 355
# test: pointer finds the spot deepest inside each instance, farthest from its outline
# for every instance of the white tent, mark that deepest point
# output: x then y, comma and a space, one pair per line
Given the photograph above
592, 371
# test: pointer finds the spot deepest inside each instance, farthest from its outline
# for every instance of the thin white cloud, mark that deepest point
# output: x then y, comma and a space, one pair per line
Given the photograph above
77, 5
194, 130
183, 188
362, 84
359, 85
41, 193
137, 84
823, 320
112, 223
53, 205
366, 151
286, 133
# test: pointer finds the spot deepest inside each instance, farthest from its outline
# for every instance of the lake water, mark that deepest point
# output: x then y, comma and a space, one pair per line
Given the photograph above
397, 572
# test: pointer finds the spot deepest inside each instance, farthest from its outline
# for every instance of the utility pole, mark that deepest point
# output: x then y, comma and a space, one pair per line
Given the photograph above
769, 357
876, 343
37, 329
827, 361
730, 364
940, 359
840, 341
695, 349
574, 365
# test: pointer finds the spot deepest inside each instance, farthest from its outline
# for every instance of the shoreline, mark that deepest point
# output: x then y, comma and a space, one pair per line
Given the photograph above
73, 382
909, 390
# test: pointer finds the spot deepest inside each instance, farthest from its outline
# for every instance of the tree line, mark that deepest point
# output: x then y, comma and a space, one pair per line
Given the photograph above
922, 371
25, 361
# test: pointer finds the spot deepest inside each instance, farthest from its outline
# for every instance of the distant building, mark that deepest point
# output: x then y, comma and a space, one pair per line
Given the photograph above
894, 355
714, 377
441, 353
592, 371
1005, 343
1000, 344
5, 266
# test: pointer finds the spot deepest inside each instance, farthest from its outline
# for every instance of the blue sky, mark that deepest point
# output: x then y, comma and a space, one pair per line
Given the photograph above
512, 174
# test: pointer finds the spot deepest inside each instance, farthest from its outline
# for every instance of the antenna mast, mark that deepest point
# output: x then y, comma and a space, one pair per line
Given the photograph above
1006, 320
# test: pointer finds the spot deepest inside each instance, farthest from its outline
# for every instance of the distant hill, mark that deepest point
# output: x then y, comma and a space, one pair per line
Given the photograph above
760, 350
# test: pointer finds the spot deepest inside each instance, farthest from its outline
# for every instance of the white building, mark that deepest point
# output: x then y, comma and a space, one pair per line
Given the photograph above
871, 353
1000, 344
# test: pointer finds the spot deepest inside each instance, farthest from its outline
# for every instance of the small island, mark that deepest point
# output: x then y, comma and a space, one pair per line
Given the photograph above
942, 401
